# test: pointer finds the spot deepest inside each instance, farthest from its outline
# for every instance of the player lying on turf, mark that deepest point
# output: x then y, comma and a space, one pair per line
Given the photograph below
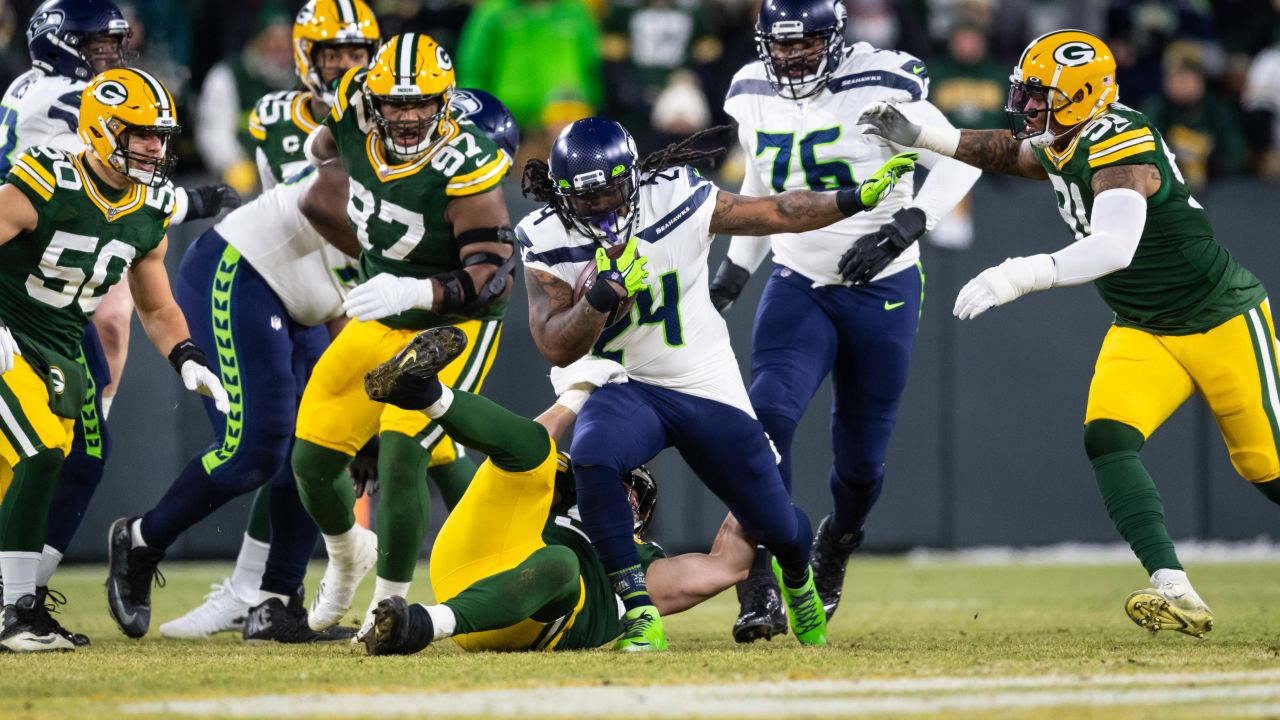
1187, 316
512, 568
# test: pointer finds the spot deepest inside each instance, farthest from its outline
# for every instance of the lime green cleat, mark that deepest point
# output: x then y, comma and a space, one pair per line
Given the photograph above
804, 608
642, 631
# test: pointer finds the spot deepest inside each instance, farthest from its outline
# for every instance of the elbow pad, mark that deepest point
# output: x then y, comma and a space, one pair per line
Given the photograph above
461, 289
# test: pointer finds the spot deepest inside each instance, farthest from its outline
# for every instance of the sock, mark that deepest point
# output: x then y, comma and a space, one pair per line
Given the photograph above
441, 405
404, 505
19, 570
512, 442
1135, 507
265, 595
1167, 575
795, 578
855, 493
443, 621
293, 538
259, 527
629, 584
544, 587
250, 563
49, 560
453, 478
135, 532
763, 561
607, 518
383, 588
327, 499
341, 545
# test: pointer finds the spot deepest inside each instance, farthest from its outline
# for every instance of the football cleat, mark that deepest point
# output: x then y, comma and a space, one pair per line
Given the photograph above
342, 577
830, 559
222, 611
642, 631
760, 615
273, 621
130, 572
804, 608
1169, 605
52, 600
25, 626
398, 628
408, 380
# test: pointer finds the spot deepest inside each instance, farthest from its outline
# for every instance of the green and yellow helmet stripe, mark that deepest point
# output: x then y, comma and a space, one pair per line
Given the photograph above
166, 114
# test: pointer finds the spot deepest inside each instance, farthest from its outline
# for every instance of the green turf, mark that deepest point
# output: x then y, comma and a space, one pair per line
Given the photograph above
898, 620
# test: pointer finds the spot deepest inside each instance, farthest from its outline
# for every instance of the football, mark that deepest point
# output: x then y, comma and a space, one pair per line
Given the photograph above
587, 278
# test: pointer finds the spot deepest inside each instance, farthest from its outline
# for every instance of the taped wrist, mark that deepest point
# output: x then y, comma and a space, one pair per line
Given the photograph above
602, 296
184, 351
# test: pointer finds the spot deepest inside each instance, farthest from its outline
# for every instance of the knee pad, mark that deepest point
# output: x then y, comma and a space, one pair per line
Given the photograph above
1258, 468
1103, 437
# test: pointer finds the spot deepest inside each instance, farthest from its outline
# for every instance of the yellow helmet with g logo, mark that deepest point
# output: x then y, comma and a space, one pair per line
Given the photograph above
410, 69
330, 22
123, 101
1071, 73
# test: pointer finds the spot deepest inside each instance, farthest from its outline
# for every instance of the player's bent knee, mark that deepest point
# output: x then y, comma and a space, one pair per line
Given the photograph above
251, 467
1256, 467
1103, 437
860, 474
312, 463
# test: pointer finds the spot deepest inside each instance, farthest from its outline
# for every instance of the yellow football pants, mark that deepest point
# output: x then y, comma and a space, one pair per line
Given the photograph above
27, 425
336, 413
496, 526
1141, 378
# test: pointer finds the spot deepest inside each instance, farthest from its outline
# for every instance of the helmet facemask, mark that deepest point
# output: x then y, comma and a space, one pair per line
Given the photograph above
600, 208
799, 73
122, 160
110, 57
1032, 99
408, 139
642, 495
313, 76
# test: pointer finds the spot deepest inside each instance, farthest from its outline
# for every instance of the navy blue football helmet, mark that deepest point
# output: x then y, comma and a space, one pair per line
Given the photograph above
801, 43
593, 166
490, 115
60, 30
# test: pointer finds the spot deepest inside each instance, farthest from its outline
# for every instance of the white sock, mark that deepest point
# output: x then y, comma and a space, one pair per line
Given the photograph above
383, 589
264, 596
135, 530
441, 406
250, 564
341, 546
49, 560
442, 620
19, 570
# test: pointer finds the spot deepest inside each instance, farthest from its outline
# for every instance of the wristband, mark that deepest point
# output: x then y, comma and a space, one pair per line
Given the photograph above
184, 351
849, 202
602, 297
940, 139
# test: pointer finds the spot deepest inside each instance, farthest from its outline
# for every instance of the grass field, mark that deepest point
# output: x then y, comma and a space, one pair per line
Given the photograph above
910, 640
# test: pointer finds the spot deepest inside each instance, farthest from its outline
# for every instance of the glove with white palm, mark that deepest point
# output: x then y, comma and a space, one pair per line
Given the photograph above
1004, 283
385, 295
8, 348
192, 365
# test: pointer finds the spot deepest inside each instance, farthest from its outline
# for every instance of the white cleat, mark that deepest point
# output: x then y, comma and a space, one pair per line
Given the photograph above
222, 611
342, 577
1170, 604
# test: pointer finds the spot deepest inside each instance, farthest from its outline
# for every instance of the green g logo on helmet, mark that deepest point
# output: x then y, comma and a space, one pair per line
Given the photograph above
1074, 54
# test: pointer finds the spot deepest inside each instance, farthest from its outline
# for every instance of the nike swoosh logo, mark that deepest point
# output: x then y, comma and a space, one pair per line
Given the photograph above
917, 69
481, 161
409, 357
126, 617
894, 306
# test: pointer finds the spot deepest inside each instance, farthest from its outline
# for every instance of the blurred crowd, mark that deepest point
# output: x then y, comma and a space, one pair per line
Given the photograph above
1206, 71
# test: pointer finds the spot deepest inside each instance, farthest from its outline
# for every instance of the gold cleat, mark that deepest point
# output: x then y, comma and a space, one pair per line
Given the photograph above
1155, 610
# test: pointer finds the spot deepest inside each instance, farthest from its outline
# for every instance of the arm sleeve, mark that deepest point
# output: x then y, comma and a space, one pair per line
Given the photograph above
219, 112
1118, 219
747, 251
949, 179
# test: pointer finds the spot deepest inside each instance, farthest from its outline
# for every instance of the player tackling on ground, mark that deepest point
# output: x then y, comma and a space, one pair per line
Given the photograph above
1187, 315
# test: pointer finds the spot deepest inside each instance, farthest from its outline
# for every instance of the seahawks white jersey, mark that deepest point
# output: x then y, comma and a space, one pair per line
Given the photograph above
39, 109
310, 276
815, 144
673, 337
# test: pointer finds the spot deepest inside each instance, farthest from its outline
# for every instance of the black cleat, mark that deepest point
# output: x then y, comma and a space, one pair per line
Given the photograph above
408, 380
830, 558
273, 621
25, 626
130, 573
52, 600
398, 628
761, 614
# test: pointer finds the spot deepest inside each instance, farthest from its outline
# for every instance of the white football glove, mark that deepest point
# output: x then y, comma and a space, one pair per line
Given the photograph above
574, 383
8, 349
199, 378
1004, 283
386, 295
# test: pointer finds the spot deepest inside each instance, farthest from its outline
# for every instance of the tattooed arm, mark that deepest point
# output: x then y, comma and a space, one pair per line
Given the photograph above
790, 212
1143, 179
998, 151
564, 331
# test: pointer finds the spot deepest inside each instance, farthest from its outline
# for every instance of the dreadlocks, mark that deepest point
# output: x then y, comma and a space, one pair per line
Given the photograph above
536, 183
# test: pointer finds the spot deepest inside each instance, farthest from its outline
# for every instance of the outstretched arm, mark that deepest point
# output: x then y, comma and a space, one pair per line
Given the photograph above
991, 150
681, 582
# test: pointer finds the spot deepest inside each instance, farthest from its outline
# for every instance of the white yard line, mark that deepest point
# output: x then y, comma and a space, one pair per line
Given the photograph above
900, 696
1261, 550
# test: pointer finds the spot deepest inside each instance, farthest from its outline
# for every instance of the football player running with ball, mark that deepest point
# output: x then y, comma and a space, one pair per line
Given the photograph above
259, 286
657, 218
512, 568
71, 225
844, 300
436, 249
1187, 316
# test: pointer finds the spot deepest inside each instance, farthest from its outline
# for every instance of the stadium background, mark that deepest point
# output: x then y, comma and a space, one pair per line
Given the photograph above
988, 448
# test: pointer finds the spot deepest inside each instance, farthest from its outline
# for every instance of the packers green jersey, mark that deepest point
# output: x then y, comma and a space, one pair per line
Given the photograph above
279, 124
398, 210
87, 235
1180, 281
598, 622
